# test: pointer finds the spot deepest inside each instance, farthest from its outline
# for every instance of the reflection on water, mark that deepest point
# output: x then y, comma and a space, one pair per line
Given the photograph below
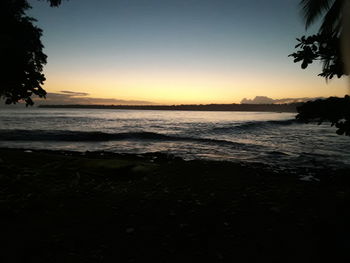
273, 138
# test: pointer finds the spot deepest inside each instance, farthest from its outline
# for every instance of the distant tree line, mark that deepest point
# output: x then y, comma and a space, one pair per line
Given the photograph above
195, 107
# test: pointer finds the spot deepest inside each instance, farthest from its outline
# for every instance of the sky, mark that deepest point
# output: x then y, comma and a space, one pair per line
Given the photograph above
177, 51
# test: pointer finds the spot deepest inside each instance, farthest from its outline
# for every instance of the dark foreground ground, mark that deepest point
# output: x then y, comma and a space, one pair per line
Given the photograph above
68, 207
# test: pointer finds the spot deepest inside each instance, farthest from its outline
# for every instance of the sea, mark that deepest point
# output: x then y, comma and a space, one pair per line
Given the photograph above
276, 139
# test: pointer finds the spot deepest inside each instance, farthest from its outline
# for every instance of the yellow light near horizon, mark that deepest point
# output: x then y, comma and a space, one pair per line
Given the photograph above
196, 88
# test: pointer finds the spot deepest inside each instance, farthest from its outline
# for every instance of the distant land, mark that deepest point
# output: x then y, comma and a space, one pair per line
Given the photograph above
290, 107
268, 100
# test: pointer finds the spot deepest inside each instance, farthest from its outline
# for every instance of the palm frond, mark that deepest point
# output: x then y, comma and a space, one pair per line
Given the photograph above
331, 23
312, 9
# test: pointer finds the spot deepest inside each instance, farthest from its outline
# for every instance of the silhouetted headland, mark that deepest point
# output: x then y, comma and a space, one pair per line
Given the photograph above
191, 107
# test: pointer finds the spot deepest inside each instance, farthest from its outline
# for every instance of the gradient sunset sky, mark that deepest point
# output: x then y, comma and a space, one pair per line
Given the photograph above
178, 51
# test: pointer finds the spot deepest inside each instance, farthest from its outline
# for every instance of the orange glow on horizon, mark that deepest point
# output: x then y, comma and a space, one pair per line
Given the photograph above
192, 88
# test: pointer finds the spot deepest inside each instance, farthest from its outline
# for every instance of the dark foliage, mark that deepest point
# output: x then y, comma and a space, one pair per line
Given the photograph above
324, 48
330, 9
334, 110
54, 2
22, 54
325, 45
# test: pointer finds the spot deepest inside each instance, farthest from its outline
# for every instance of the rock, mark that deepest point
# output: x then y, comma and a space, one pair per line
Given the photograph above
75, 182
198, 202
130, 230
307, 178
172, 213
275, 209
220, 256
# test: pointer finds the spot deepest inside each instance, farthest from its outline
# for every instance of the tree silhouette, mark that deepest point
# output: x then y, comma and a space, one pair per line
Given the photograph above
325, 46
331, 10
22, 54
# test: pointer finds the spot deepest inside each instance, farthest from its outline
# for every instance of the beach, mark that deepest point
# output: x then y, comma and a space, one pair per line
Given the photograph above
174, 131
65, 206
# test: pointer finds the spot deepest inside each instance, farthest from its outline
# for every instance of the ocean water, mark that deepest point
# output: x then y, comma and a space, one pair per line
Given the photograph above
271, 138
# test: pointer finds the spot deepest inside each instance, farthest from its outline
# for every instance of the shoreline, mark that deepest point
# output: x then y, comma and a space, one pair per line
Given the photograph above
162, 156
62, 206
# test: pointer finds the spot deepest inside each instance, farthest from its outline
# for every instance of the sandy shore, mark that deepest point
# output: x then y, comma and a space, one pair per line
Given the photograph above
100, 207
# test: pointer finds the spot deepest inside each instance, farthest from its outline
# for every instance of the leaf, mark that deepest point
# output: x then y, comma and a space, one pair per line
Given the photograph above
304, 65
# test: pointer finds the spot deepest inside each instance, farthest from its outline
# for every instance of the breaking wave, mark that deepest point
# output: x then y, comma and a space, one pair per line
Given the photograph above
255, 125
92, 136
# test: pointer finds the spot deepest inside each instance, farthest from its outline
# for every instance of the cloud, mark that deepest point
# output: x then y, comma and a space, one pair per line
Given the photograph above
267, 100
72, 97
258, 100
74, 94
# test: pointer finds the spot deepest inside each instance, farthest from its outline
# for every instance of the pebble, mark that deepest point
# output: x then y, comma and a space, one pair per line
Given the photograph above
307, 178
172, 213
275, 209
130, 230
198, 202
